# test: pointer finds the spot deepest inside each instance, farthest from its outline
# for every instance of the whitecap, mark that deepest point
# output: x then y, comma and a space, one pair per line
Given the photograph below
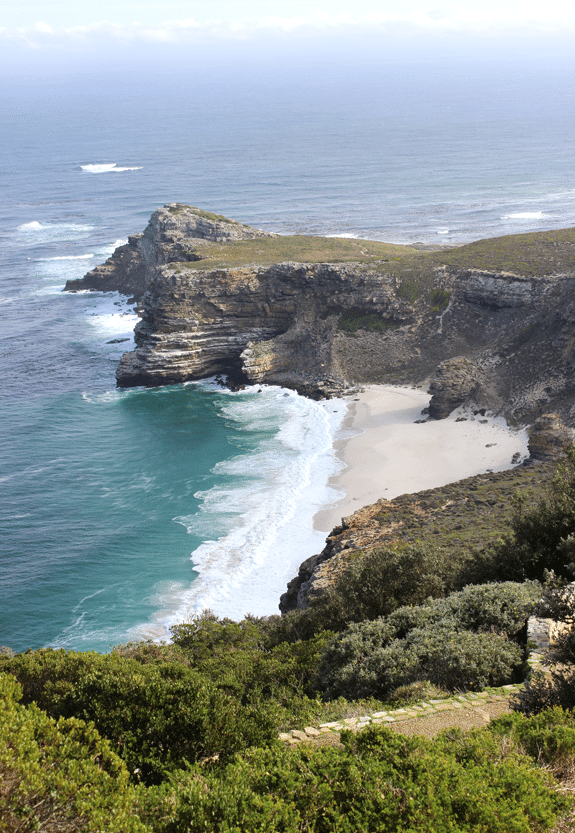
33, 226
103, 398
35, 232
109, 167
346, 235
525, 215
261, 516
64, 257
443, 231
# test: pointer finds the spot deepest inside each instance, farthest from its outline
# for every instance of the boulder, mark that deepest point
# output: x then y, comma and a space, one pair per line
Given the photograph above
454, 382
549, 438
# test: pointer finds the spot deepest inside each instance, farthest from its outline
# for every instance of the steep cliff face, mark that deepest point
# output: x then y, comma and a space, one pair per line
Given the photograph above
314, 314
175, 233
199, 322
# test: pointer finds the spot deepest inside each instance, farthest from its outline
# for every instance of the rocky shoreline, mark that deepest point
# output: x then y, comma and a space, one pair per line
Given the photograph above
489, 323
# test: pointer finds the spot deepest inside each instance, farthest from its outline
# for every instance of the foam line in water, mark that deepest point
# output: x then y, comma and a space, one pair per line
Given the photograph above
109, 167
262, 513
525, 215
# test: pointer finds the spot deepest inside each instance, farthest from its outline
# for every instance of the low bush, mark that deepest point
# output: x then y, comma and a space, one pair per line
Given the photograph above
377, 583
156, 716
462, 641
59, 776
378, 781
549, 737
533, 548
449, 658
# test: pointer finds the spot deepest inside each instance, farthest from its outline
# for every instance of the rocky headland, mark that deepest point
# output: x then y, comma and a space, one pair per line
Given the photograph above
489, 323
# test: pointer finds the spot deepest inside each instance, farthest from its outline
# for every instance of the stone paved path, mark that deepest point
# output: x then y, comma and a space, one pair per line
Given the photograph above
431, 716
425, 718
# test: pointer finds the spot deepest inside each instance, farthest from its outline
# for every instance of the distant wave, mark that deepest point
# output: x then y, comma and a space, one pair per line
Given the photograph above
33, 226
65, 257
525, 215
36, 232
349, 236
109, 167
443, 231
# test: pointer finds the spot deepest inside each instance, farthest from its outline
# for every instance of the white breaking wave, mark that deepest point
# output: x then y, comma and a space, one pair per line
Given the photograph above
443, 231
265, 508
35, 232
525, 215
348, 236
109, 316
65, 257
33, 226
109, 167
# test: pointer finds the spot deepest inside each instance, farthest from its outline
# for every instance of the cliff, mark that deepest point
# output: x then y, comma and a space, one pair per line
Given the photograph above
490, 322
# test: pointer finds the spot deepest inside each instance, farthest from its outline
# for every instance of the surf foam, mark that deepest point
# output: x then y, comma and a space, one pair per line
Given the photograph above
264, 507
525, 215
109, 167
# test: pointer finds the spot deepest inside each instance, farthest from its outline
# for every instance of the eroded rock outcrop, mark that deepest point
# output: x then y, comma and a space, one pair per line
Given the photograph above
175, 234
549, 438
196, 322
455, 381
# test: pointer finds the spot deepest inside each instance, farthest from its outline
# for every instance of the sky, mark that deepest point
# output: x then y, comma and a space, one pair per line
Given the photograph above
43, 37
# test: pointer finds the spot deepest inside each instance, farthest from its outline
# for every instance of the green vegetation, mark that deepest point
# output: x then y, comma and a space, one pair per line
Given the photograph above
180, 208
182, 738
59, 775
531, 255
350, 321
439, 301
155, 715
532, 547
462, 641
299, 248
379, 781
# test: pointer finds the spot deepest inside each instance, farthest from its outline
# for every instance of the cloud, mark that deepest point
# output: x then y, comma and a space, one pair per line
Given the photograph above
501, 19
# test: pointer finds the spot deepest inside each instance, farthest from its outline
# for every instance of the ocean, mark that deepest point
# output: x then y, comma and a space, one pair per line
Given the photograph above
124, 512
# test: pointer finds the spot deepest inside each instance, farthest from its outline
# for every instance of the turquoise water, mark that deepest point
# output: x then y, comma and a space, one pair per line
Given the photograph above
125, 512
119, 488
105, 476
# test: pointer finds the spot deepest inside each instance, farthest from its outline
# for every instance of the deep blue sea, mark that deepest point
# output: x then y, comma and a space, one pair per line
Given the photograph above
123, 512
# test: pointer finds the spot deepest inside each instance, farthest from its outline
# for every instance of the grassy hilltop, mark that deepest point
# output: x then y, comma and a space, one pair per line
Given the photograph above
531, 254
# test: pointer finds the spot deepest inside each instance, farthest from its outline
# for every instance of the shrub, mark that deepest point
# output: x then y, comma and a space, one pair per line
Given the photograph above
534, 545
549, 737
461, 641
379, 582
156, 716
446, 657
58, 776
554, 685
378, 781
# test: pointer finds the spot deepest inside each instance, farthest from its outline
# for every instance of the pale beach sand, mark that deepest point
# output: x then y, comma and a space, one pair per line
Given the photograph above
391, 455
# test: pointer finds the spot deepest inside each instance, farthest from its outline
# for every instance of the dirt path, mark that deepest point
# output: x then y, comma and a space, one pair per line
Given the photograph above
427, 718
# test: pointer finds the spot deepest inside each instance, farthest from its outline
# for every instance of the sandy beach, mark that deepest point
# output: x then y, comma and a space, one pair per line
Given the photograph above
386, 453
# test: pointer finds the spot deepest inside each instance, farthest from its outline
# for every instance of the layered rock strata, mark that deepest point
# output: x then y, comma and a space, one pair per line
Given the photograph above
214, 300
174, 234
